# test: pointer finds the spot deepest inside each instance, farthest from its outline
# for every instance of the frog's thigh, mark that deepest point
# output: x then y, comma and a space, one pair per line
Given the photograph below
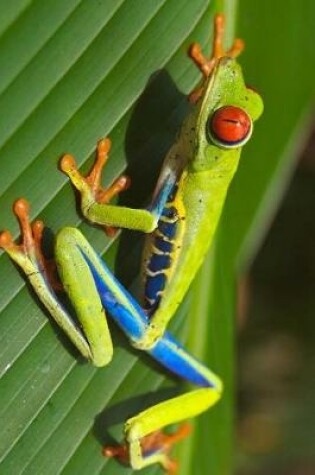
79, 284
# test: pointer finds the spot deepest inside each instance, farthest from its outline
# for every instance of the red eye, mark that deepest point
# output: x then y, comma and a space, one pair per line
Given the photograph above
230, 126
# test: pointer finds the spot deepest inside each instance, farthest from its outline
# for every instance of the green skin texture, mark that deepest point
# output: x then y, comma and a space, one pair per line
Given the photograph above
204, 170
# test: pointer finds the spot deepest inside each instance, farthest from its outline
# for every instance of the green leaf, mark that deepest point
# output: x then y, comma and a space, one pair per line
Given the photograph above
72, 72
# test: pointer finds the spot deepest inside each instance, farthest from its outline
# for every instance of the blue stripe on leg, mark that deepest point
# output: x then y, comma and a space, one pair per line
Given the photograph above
133, 320
172, 356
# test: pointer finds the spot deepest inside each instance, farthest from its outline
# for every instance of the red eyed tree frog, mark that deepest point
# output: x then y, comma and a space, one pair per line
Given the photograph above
179, 223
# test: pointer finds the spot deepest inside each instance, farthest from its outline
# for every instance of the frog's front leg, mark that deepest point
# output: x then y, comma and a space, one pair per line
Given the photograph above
95, 199
94, 342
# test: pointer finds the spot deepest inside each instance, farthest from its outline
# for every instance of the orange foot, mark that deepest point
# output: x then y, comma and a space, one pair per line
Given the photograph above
30, 247
91, 184
156, 442
206, 65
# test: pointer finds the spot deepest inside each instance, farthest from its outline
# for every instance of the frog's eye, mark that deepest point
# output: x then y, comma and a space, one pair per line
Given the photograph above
230, 126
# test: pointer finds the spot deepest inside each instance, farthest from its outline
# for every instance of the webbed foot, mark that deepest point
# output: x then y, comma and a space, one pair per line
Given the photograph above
90, 186
206, 65
28, 255
157, 445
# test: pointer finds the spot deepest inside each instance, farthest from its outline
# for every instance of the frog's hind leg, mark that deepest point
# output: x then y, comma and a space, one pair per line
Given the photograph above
155, 448
147, 444
92, 337
28, 256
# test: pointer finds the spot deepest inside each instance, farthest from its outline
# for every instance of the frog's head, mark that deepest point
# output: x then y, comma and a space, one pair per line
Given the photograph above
225, 109
225, 113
